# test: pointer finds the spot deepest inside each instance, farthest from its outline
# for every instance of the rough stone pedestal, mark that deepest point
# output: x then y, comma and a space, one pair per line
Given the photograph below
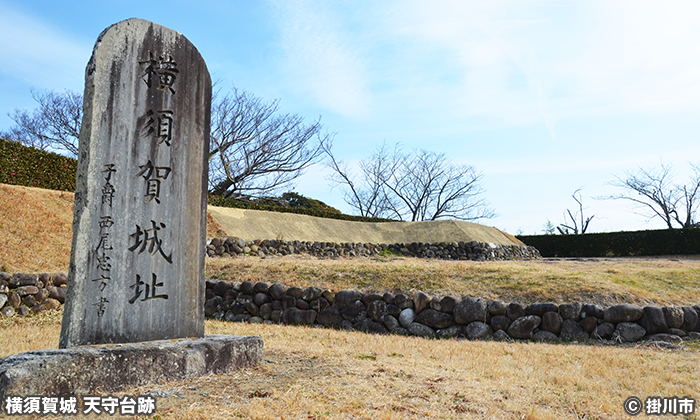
111, 367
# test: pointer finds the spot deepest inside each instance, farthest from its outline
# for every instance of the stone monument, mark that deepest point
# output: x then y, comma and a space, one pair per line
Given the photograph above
137, 268
134, 310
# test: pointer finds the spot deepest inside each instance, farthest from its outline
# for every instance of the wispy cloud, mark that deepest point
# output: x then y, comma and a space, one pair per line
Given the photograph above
37, 54
520, 62
320, 58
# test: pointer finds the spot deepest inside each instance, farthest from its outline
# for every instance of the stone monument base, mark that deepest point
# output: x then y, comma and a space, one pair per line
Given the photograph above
111, 367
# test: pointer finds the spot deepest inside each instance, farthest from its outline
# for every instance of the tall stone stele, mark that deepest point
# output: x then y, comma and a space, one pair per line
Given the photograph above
137, 263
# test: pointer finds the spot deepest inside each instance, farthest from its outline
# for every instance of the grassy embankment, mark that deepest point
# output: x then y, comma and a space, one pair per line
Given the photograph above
314, 373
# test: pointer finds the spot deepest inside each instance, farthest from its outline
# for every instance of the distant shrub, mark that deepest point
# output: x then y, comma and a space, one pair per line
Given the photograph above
618, 244
292, 203
31, 167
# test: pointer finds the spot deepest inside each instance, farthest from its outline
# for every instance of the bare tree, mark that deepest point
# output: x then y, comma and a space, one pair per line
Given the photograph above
256, 150
653, 191
367, 196
565, 229
422, 185
55, 124
253, 148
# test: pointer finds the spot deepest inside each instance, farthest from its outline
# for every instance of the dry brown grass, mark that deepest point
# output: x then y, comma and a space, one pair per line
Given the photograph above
35, 229
313, 373
604, 281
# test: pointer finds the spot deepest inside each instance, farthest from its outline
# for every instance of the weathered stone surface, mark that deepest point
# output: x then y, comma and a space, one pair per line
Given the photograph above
354, 312
371, 297
278, 291
665, 337
390, 322
570, 310
501, 335
346, 297
288, 301
388, 298
546, 336
690, 318
302, 304
27, 290
376, 310
452, 331
137, 264
403, 301
22, 310
212, 306
393, 310
620, 313
298, 316
41, 295
8, 311
29, 301
674, 316
261, 287
221, 287
592, 310
81, 370
3, 299
369, 326
588, 323
551, 321
21, 279
58, 293
444, 304
653, 320
469, 310
421, 330
406, 317
247, 287
261, 299
540, 309
13, 299
604, 331
523, 327
677, 331
296, 292
421, 301
478, 330
515, 311
59, 279
497, 308
311, 293
330, 316
252, 308
572, 331
435, 319
500, 322
629, 331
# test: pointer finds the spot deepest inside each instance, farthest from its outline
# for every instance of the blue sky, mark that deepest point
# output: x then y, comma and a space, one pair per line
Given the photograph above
543, 97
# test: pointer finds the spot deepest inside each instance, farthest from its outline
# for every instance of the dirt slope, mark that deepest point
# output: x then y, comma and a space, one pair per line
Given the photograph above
256, 224
36, 227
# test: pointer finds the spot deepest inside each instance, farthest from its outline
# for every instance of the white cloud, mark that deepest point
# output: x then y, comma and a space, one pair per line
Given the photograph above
37, 54
519, 63
320, 58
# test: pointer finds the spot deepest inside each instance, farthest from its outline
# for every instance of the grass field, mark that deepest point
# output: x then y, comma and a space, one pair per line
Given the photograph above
314, 373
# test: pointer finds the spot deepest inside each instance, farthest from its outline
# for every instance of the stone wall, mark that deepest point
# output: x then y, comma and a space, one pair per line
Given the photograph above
25, 293
479, 251
447, 316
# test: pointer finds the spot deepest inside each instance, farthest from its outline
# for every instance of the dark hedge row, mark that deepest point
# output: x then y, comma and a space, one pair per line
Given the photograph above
31, 167
618, 244
217, 200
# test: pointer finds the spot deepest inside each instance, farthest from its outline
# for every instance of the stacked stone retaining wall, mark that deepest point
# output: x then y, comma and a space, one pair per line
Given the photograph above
448, 316
473, 250
31, 293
